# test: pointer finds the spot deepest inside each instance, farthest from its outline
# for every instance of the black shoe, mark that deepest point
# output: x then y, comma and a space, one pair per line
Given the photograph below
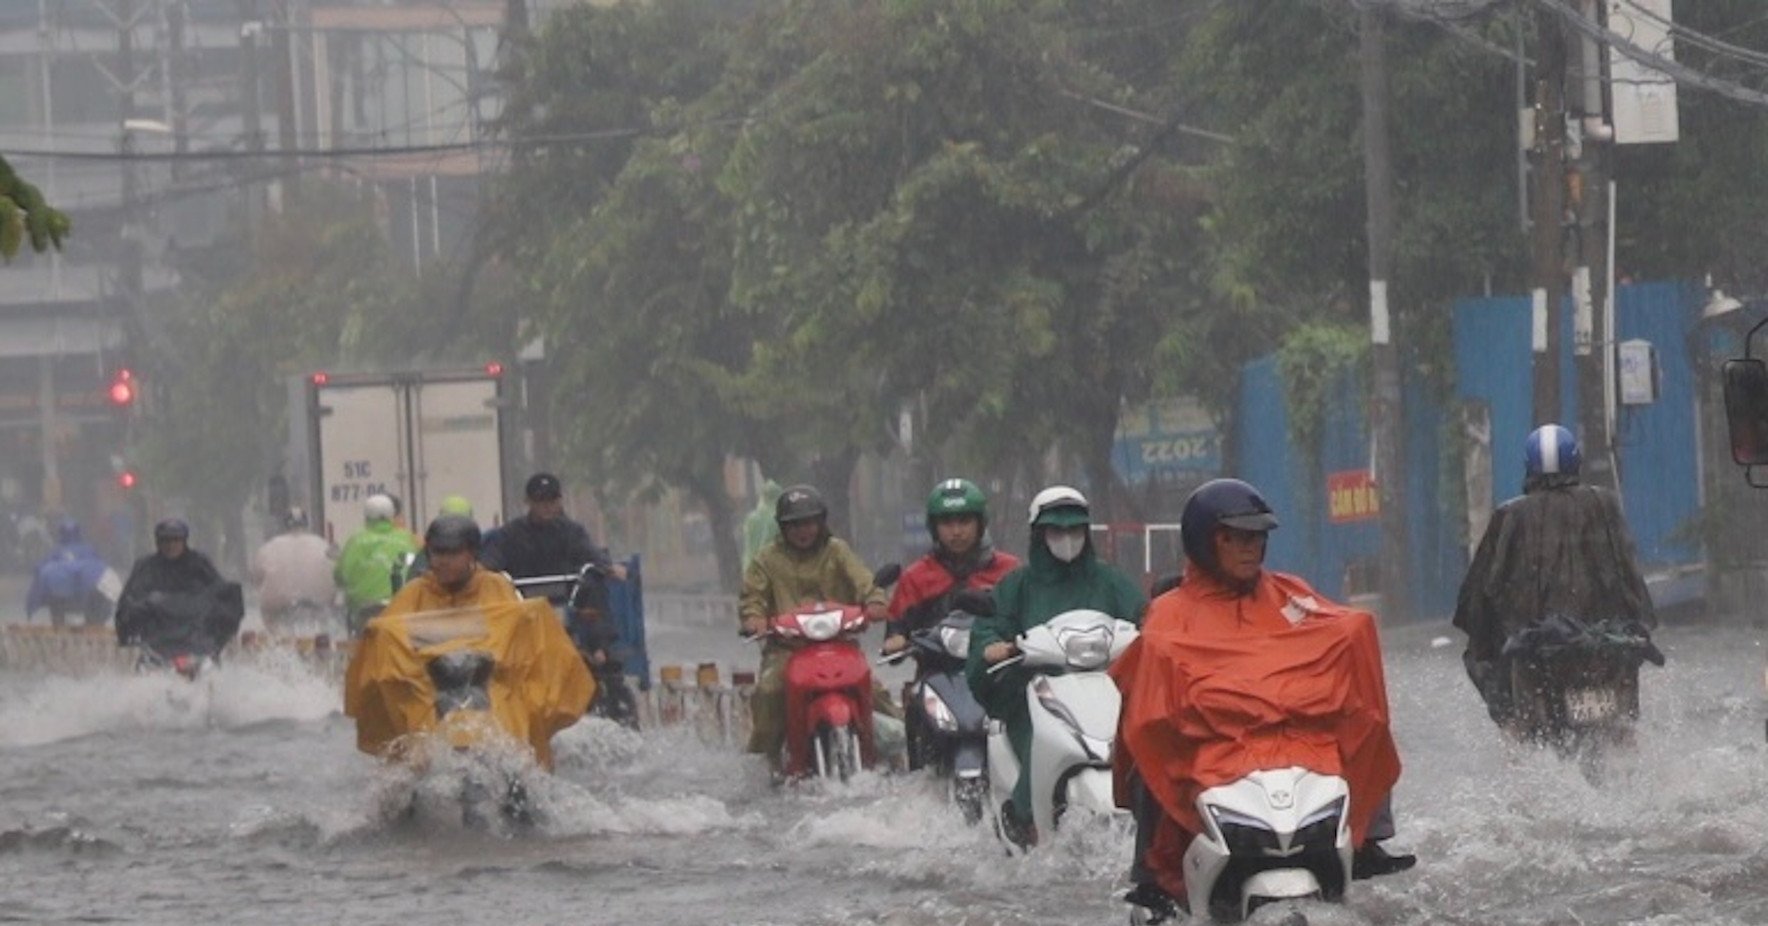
1021, 833
1372, 861
1157, 906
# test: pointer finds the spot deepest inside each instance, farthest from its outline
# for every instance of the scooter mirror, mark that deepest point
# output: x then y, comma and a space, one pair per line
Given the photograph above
1746, 410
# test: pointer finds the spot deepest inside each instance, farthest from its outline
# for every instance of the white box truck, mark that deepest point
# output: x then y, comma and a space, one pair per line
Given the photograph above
420, 435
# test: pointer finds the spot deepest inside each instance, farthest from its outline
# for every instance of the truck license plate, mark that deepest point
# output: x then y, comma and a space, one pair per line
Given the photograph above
1591, 705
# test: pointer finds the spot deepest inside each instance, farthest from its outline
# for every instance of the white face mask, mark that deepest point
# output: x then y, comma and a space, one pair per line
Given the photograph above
1065, 546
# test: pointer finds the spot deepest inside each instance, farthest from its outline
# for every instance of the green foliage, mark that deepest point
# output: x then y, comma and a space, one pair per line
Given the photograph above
25, 216
316, 287
1310, 362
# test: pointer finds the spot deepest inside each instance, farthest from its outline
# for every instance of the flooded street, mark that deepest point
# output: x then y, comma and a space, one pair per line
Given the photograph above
145, 799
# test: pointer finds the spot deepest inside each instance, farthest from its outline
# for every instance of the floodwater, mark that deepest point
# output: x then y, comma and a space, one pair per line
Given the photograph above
242, 799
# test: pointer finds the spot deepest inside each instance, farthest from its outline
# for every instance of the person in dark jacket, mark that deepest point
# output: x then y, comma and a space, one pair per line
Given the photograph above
1061, 574
67, 580
176, 599
544, 542
1561, 550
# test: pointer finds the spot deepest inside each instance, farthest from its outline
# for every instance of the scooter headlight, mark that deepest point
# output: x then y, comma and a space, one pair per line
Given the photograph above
956, 640
823, 625
934, 706
1087, 649
1244, 835
1319, 830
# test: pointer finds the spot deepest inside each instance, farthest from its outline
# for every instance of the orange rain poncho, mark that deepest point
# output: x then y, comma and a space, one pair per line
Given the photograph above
538, 687
1221, 684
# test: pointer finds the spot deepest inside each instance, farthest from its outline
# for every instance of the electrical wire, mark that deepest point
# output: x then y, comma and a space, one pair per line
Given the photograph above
1680, 73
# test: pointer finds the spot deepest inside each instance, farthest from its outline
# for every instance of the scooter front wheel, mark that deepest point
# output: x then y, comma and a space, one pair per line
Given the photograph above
836, 753
971, 796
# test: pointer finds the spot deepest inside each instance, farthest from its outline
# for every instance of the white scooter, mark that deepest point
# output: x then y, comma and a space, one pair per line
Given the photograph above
1272, 836
1074, 707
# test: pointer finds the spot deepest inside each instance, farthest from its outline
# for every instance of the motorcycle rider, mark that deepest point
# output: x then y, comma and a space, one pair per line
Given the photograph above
1226, 591
805, 564
1062, 574
365, 564
962, 557
759, 528
454, 579
66, 581
293, 570
1561, 548
545, 542
416, 564
173, 568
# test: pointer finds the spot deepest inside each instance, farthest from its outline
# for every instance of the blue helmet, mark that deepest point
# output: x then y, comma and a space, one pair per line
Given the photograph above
1228, 502
1552, 451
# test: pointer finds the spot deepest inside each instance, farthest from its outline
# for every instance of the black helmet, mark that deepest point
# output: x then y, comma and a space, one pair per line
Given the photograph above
800, 503
171, 529
452, 532
1227, 502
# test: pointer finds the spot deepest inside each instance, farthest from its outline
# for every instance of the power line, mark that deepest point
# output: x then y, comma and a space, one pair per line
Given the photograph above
488, 144
1680, 73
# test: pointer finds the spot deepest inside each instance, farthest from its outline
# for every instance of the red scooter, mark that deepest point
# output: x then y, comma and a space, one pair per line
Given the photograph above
828, 691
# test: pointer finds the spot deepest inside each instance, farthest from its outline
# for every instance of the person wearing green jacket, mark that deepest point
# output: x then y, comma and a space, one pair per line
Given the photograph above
759, 526
365, 564
806, 564
1061, 574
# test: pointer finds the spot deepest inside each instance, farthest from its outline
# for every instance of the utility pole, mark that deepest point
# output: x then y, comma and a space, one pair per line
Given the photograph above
1385, 413
172, 77
250, 97
281, 44
1588, 195
1548, 291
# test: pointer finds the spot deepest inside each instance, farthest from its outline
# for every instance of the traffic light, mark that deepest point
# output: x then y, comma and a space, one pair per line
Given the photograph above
126, 479
123, 389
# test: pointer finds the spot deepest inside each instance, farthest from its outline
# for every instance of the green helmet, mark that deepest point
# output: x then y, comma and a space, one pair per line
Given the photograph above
955, 497
456, 504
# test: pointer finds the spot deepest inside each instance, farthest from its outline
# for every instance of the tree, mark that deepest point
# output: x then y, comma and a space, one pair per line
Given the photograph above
931, 212
24, 216
316, 287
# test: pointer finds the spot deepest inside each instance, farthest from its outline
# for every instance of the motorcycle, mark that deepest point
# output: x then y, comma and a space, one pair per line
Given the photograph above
1074, 710
182, 631
583, 602
1274, 835
474, 692
828, 691
947, 726
1575, 684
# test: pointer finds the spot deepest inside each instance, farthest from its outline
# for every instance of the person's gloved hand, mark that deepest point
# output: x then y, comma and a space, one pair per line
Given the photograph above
895, 643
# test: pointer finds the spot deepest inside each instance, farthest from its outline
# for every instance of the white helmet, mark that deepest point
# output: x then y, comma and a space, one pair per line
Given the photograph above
378, 508
1056, 497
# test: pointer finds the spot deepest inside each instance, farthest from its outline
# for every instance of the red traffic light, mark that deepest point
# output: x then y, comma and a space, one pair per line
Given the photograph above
126, 479
494, 368
122, 388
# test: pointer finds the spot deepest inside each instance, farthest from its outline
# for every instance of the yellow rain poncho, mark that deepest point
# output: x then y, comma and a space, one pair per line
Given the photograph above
538, 687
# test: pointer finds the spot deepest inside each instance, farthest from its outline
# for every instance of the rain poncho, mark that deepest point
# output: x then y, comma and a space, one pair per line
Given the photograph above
1221, 684
924, 593
365, 565
1028, 597
68, 574
539, 685
759, 526
1560, 549
293, 568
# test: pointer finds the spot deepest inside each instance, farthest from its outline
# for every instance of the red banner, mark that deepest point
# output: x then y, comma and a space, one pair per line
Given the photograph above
1351, 495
